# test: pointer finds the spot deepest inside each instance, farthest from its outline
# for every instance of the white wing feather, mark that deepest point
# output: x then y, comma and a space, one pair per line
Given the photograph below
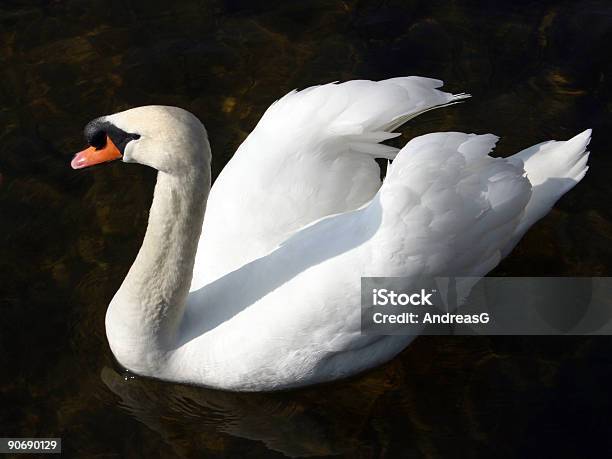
311, 155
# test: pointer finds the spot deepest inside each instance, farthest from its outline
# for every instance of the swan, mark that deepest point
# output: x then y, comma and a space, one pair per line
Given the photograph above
291, 317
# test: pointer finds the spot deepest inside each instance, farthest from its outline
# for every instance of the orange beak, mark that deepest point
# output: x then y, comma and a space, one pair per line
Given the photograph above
91, 155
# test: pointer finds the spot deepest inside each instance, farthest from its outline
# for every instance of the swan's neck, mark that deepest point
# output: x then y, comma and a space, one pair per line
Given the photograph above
144, 316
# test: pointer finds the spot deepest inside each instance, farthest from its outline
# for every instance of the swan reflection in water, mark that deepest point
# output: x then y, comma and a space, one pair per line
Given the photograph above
440, 396
305, 423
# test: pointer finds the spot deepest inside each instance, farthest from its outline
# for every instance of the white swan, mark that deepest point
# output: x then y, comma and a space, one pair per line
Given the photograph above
292, 317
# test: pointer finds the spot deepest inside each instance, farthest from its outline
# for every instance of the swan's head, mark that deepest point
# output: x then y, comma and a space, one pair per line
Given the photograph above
169, 139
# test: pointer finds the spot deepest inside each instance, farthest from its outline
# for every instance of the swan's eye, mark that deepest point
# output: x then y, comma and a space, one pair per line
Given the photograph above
99, 130
95, 133
98, 139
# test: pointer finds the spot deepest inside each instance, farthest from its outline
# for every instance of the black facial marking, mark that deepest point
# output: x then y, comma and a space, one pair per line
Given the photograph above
97, 130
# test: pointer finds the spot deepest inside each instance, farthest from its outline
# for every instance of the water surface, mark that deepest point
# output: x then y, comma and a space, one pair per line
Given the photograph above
537, 71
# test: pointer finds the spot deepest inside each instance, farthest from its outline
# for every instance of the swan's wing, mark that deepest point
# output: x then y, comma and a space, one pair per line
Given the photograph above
311, 155
452, 207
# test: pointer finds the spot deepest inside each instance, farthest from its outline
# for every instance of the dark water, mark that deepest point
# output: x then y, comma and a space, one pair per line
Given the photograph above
537, 71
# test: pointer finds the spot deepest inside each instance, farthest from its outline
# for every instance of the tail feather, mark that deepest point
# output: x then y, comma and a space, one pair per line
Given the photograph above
553, 168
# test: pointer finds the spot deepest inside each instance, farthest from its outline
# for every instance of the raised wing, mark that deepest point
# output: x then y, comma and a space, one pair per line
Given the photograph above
311, 155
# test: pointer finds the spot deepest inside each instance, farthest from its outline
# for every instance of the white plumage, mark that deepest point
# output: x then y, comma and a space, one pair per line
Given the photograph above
301, 215
311, 155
